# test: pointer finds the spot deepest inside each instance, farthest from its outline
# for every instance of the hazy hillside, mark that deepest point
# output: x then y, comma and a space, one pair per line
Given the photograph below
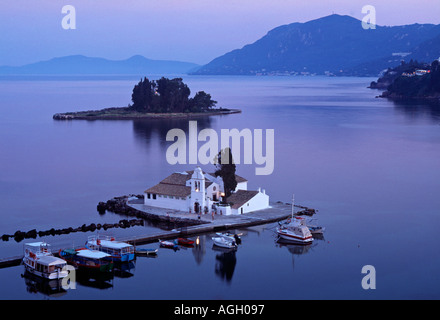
336, 44
78, 64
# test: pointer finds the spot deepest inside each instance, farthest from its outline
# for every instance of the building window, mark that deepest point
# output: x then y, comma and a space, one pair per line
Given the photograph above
148, 196
154, 196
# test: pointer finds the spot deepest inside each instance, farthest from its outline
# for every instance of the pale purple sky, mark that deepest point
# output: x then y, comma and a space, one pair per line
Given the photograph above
187, 30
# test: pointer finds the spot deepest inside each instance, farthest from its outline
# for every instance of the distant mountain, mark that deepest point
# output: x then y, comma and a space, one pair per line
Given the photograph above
334, 45
82, 65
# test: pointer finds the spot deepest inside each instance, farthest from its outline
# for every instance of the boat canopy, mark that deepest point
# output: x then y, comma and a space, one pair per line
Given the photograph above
50, 261
37, 244
111, 244
92, 254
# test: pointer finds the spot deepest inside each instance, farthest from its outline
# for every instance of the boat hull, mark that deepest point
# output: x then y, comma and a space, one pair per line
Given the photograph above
221, 242
291, 237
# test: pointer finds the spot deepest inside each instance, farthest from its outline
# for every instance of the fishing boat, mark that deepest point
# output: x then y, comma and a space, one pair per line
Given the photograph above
39, 260
119, 251
295, 230
231, 236
314, 229
224, 242
184, 241
86, 259
168, 244
146, 251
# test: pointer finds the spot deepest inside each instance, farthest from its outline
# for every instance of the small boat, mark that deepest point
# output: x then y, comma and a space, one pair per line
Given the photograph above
168, 244
86, 259
146, 251
295, 230
118, 250
316, 229
39, 260
232, 236
224, 242
184, 241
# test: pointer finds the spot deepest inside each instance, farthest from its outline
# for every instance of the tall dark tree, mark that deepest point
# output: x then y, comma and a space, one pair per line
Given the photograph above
226, 169
173, 94
142, 96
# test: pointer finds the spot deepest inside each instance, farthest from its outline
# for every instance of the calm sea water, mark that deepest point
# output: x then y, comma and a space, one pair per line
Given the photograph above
371, 167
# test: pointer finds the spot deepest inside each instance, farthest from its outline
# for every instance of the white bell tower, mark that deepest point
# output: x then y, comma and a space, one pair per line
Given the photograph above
198, 191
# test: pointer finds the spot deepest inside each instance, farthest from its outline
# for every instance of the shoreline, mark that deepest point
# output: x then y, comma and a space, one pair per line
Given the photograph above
125, 114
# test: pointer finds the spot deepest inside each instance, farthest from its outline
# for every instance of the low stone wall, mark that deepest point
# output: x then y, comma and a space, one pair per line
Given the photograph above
119, 205
32, 234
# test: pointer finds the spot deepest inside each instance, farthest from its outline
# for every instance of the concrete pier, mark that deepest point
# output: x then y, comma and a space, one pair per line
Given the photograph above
211, 223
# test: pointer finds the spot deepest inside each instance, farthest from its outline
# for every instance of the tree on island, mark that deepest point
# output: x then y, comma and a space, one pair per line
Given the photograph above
226, 170
168, 96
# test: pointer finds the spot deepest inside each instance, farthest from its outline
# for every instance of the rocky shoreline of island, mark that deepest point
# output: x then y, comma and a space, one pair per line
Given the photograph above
156, 99
125, 113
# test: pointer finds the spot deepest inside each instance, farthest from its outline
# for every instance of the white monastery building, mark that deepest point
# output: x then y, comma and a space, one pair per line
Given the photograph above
200, 192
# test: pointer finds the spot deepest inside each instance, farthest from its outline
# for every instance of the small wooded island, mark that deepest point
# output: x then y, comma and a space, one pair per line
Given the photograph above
163, 98
411, 81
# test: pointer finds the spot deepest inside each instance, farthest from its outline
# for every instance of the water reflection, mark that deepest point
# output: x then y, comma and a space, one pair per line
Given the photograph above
124, 269
95, 280
147, 130
419, 110
296, 249
49, 288
225, 263
199, 249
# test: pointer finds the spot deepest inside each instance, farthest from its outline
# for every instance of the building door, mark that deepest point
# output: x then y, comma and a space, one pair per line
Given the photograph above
196, 207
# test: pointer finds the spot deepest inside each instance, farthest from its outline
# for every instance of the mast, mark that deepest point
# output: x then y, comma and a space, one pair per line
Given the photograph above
293, 201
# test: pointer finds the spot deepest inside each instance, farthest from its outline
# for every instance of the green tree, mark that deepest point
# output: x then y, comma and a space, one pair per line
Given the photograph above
173, 95
142, 96
202, 101
226, 170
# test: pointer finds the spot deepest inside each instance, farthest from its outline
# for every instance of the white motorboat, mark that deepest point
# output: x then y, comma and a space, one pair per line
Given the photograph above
231, 236
224, 242
314, 229
295, 230
39, 260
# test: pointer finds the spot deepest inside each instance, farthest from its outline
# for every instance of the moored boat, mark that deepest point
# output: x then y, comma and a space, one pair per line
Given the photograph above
86, 259
224, 242
168, 244
185, 241
231, 236
295, 230
118, 250
39, 260
146, 251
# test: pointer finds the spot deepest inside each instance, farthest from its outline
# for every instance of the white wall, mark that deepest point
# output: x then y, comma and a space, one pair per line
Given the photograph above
241, 186
258, 202
162, 202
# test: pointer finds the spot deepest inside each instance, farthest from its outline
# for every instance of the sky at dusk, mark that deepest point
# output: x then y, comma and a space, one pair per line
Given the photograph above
186, 30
